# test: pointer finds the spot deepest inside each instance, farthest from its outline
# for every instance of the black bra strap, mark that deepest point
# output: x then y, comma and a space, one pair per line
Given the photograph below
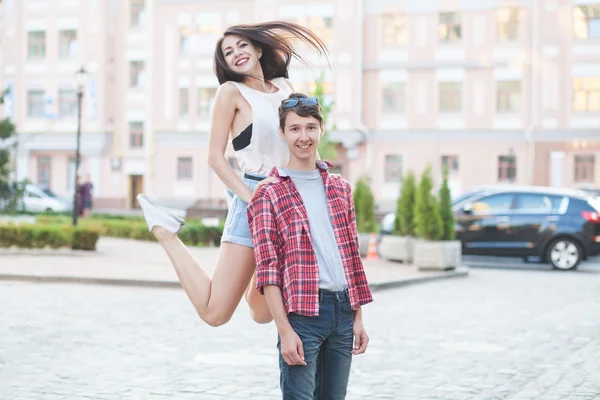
243, 139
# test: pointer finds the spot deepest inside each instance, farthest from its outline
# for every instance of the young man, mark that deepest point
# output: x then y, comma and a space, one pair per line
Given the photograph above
308, 263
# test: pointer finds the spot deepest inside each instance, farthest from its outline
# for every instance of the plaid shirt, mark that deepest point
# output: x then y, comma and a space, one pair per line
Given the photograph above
282, 243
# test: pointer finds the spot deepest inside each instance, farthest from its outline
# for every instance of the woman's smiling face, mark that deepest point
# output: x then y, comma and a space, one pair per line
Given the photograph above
240, 54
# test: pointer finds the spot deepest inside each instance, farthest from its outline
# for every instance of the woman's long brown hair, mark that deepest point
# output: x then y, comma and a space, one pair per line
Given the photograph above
274, 39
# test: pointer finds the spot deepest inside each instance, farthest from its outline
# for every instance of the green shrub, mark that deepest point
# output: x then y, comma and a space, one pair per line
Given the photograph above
364, 205
446, 213
42, 236
404, 223
428, 221
84, 239
193, 232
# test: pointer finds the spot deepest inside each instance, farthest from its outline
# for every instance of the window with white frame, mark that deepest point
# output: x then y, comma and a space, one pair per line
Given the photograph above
137, 12
449, 27
508, 24
393, 29
136, 74
450, 164
393, 168
586, 94
184, 102
44, 170
136, 135
67, 43
394, 98
35, 103
507, 168
37, 44
71, 174
185, 40
584, 168
450, 97
205, 101
67, 103
184, 169
586, 22
508, 97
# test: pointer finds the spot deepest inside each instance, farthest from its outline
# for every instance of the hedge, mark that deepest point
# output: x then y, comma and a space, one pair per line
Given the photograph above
193, 232
42, 236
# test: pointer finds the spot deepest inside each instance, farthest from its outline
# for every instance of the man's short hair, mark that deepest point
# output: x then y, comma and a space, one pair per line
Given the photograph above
302, 109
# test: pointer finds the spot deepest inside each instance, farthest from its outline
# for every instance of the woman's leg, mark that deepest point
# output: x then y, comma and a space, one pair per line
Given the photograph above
215, 300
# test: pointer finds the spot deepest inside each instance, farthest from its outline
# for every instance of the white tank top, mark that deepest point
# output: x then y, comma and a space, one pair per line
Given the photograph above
266, 149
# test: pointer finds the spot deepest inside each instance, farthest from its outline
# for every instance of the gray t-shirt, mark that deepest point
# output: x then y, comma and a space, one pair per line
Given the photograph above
312, 190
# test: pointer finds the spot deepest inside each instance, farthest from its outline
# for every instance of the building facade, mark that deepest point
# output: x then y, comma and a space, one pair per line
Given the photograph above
493, 90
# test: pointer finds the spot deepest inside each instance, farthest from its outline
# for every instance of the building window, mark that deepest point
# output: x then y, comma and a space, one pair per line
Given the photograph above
44, 169
584, 168
393, 168
184, 101
508, 97
136, 74
507, 168
508, 24
35, 104
136, 135
394, 30
185, 40
586, 23
586, 94
137, 12
450, 164
67, 42
70, 174
450, 97
184, 169
394, 98
37, 44
67, 103
449, 28
322, 27
205, 101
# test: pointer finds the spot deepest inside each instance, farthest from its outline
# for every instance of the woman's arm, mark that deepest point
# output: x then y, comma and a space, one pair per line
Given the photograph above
222, 118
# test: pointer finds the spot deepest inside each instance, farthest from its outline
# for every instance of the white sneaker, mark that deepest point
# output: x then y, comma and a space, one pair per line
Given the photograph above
156, 216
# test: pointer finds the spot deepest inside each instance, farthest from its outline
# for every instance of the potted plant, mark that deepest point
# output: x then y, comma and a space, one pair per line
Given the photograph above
364, 204
399, 245
435, 225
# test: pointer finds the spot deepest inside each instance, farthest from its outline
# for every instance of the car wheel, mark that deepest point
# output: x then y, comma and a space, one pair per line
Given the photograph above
564, 254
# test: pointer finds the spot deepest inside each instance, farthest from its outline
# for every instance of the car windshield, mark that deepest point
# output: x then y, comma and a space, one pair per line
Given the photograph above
49, 193
595, 202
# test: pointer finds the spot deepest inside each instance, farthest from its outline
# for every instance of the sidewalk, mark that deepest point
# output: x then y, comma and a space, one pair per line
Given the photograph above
138, 263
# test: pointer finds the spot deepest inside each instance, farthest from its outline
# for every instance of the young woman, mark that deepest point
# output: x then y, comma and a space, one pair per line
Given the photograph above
251, 63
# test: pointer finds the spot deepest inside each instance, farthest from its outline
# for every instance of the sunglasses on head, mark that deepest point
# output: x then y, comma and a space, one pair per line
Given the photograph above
309, 101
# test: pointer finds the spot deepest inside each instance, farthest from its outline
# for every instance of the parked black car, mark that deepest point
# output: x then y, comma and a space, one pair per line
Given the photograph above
560, 226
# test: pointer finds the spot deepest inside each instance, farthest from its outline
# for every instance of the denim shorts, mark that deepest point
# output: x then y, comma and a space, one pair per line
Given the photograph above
236, 228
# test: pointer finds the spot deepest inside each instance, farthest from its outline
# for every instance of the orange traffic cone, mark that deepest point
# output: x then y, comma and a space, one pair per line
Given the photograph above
372, 252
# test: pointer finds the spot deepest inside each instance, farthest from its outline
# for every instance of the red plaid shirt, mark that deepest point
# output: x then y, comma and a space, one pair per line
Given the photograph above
282, 243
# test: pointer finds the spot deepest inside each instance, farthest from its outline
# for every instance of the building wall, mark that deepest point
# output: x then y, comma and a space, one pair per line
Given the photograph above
417, 98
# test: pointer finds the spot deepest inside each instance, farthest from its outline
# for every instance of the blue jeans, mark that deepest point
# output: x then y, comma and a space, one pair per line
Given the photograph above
327, 342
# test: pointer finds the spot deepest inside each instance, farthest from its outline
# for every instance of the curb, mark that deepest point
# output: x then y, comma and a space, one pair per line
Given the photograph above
461, 272
375, 287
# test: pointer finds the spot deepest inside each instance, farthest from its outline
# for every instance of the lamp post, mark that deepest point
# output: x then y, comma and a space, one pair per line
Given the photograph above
80, 80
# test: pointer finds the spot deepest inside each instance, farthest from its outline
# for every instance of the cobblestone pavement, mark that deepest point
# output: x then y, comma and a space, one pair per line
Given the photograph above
496, 335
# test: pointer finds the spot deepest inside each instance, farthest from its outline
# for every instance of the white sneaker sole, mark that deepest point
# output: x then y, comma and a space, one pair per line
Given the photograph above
157, 216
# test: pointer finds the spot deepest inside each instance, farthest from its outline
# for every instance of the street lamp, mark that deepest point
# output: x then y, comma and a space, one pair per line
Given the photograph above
80, 80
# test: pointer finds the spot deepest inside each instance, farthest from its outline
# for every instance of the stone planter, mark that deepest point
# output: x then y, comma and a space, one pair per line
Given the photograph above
397, 248
363, 243
438, 255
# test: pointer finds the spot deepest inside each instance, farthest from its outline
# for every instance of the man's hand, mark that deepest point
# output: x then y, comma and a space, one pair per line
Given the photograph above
291, 348
361, 339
